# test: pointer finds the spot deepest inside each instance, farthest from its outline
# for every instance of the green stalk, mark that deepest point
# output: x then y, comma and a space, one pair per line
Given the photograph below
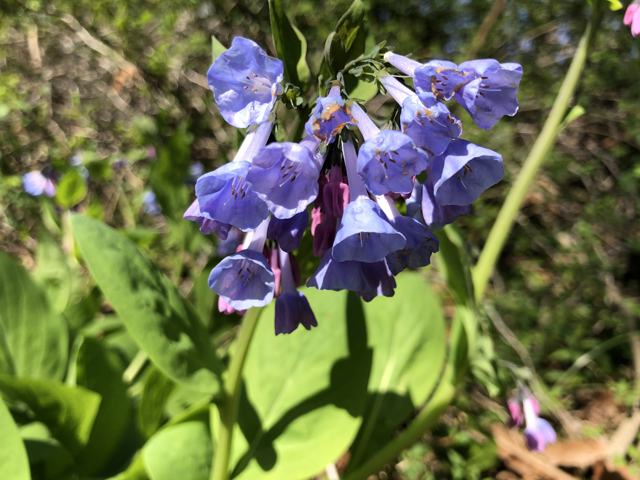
502, 226
428, 417
229, 406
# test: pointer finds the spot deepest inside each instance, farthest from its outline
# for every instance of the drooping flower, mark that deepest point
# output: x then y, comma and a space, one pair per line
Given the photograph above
245, 279
388, 159
206, 225
538, 432
435, 215
288, 232
35, 184
632, 18
224, 307
285, 176
225, 196
515, 412
463, 172
421, 243
486, 88
365, 234
292, 307
329, 117
324, 234
424, 119
334, 275
245, 83
381, 279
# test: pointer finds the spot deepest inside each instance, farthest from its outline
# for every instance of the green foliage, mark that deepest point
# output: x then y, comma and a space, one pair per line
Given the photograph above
291, 47
34, 339
181, 451
164, 325
72, 189
14, 463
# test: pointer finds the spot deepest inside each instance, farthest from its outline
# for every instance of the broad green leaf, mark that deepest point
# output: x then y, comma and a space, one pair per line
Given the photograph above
14, 464
33, 340
182, 451
68, 412
100, 370
291, 47
351, 30
364, 91
135, 471
305, 392
161, 322
54, 273
71, 189
216, 48
156, 391
407, 336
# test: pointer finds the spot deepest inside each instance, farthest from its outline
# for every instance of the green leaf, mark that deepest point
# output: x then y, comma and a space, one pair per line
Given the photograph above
100, 370
305, 392
33, 340
216, 48
156, 391
575, 113
68, 412
407, 336
54, 273
14, 464
162, 323
291, 47
351, 30
182, 451
72, 189
615, 5
334, 53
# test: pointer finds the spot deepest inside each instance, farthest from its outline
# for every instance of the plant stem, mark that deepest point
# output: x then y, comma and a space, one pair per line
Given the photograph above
502, 226
229, 406
429, 415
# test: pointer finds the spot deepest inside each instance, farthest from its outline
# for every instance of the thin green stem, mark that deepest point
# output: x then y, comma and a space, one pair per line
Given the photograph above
501, 228
441, 399
229, 406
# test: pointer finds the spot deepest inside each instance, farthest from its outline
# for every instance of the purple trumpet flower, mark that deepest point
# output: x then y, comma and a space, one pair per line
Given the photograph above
285, 176
206, 225
538, 432
424, 119
421, 243
463, 172
292, 307
245, 279
347, 275
224, 194
288, 232
381, 279
388, 159
329, 117
245, 83
35, 184
365, 234
435, 216
486, 88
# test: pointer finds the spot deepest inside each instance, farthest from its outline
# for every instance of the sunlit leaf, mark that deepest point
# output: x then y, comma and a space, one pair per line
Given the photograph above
305, 392
33, 339
71, 189
68, 412
407, 336
182, 451
14, 463
163, 324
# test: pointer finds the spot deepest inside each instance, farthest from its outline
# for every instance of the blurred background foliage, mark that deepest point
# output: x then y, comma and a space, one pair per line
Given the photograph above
110, 98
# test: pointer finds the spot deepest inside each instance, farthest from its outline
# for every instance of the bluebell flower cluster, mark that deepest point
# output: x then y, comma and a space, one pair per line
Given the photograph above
538, 432
349, 191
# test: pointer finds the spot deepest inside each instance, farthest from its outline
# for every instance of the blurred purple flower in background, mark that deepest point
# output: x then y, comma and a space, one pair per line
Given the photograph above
36, 183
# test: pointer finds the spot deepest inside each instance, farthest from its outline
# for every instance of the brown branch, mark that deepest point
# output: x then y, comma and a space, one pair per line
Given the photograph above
487, 24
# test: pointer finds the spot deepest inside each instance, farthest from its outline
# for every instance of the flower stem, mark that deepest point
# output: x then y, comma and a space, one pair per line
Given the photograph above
506, 217
229, 407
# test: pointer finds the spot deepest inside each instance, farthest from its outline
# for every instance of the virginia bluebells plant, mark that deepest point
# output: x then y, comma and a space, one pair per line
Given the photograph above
538, 432
347, 181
